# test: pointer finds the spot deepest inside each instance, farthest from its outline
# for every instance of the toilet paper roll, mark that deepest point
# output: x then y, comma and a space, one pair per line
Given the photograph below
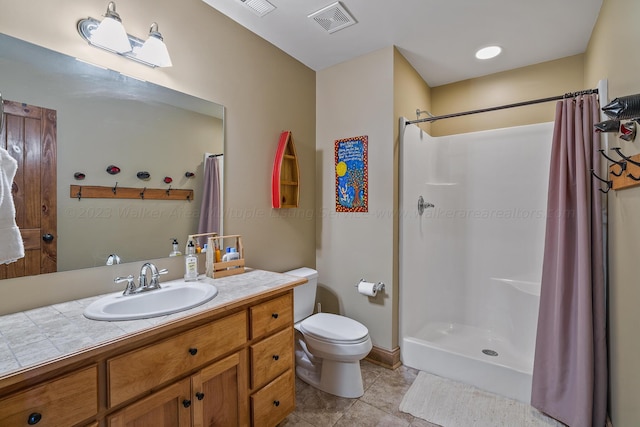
367, 288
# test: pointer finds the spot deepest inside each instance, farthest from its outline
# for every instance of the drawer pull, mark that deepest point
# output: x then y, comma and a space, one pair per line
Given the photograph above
193, 351
186, 403
34, 418
274, 315
276, 357
276, 403
200, 395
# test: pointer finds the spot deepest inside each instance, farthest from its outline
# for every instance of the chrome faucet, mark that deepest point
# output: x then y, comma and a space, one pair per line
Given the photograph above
155, 274
154, 283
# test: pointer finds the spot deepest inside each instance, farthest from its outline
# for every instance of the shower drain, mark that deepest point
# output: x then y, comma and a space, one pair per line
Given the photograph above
490, 352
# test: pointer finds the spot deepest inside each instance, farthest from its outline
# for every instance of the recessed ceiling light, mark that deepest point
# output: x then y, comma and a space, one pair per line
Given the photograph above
488, 52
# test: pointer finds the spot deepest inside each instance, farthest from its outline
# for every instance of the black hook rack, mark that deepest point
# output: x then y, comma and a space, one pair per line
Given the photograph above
142, 193
609, 183
79, 193
115, 188
622, 164
169, 191
628, 159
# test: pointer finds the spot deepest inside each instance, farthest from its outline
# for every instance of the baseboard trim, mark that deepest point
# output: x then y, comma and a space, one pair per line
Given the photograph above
389, 359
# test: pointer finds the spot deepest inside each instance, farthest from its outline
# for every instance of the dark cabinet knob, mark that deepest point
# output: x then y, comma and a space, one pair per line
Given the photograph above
274, 315
276, 403
193, 351
47, 237
200, 395
186, 403
276, 357
34, 418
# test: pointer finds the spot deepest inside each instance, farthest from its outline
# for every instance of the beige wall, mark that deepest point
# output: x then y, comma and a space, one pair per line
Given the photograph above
356, 98
533, 82
264, 91
610, 55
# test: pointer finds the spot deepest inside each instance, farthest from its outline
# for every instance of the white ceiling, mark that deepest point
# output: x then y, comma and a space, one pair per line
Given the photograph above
438, 37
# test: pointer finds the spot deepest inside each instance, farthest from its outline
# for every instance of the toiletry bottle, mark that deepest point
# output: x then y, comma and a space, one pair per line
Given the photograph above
218, 256
231, 255
175, 251
191, 263
225, 257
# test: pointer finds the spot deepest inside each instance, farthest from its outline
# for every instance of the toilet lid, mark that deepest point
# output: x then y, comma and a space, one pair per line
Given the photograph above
332, 327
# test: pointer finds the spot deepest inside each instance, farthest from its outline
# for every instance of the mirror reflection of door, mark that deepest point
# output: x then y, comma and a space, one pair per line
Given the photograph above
29, 135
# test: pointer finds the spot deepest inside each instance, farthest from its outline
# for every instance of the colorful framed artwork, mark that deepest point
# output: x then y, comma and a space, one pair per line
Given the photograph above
352, 170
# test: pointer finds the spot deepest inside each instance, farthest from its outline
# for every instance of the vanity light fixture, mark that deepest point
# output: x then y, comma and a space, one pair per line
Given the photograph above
111, 36
154, 51
488, 52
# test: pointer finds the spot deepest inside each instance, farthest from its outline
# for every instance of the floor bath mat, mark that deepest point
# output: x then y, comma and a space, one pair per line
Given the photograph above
450, 403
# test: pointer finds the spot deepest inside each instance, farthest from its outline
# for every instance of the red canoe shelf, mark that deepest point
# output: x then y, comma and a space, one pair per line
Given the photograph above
285, 189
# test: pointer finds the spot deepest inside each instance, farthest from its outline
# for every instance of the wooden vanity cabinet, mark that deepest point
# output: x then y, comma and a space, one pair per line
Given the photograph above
234, 370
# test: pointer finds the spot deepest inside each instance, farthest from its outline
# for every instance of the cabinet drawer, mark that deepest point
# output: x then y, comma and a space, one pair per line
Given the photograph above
274, 401
271, 315
141, 370
271, 357
64, 401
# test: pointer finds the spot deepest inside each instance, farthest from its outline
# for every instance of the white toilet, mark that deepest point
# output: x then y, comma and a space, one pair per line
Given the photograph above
329, 347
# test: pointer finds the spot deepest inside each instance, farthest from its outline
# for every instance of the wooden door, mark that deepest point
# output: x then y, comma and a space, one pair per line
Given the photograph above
219, 393
169, 407
29, 135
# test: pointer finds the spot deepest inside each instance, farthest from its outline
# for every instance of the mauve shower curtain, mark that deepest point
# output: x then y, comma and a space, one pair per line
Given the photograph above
570, 365
210, 208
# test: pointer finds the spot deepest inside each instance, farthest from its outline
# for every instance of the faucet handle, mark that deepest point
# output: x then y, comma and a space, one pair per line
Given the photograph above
155, 282
130, 285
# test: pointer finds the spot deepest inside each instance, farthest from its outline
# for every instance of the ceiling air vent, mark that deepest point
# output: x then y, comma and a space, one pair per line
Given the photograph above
333, 17
259, 7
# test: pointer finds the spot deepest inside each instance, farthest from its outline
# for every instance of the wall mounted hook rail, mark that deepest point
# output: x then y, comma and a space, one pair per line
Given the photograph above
107, 192
622, 164
609, 183
628, 159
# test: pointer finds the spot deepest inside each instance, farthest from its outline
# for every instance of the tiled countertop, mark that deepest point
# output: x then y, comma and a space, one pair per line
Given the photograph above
36, 336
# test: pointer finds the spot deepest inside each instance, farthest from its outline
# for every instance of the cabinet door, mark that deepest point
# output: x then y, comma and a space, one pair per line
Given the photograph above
169, 407
220, 393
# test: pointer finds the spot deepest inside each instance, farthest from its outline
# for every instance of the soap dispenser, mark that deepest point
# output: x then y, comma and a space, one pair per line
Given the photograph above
191, 263
175, 251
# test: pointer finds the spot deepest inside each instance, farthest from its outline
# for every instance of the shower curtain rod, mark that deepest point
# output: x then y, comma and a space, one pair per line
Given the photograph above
502, 107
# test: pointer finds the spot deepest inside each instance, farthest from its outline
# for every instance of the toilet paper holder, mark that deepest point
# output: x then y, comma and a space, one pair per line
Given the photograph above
378, 287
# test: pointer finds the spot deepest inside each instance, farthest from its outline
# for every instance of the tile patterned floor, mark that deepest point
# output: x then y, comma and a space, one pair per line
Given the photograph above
383, 392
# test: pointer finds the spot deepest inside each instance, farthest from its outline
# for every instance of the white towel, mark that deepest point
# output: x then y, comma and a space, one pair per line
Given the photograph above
11, 246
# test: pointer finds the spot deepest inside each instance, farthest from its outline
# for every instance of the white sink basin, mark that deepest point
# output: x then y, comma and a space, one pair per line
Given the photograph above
174, 296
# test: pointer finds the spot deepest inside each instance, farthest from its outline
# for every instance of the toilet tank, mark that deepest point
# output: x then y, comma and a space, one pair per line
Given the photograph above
304, 296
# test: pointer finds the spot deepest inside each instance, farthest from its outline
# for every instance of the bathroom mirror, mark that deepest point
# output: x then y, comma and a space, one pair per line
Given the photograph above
105, 118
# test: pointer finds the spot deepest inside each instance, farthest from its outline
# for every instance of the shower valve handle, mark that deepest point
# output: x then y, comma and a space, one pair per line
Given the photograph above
422, 205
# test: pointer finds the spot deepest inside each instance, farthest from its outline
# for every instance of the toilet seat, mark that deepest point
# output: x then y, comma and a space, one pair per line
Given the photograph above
333, 328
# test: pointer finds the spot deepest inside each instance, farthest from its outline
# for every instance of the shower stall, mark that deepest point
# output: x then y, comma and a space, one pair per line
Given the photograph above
473, 212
